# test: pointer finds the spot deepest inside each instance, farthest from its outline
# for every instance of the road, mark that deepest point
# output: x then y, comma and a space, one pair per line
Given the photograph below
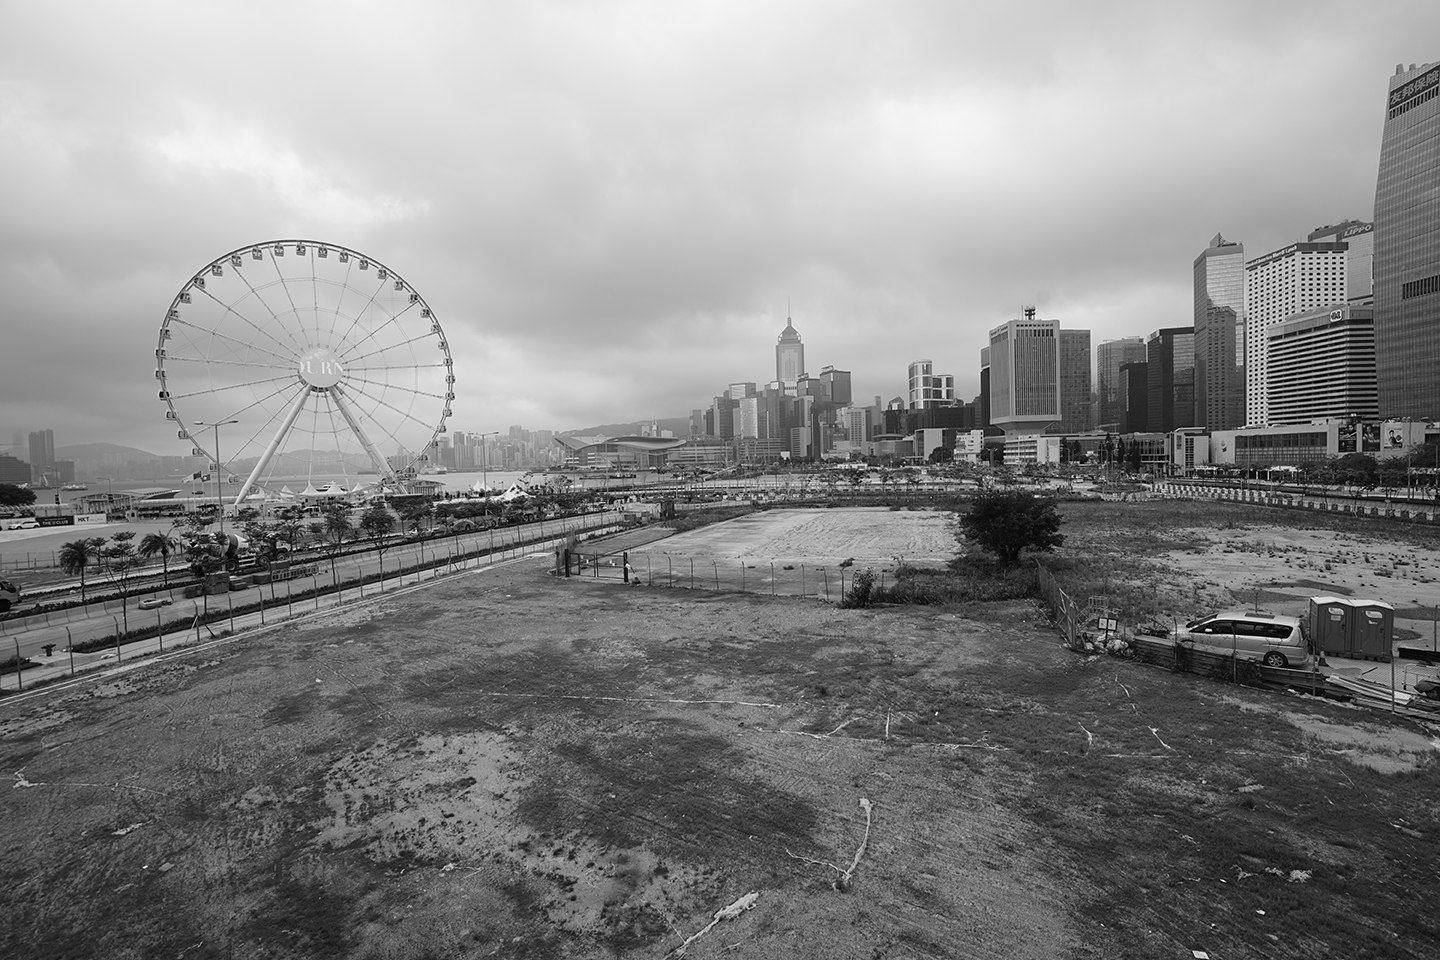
28, 637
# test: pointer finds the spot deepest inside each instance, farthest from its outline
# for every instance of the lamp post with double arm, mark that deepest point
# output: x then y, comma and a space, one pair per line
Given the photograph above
219, 474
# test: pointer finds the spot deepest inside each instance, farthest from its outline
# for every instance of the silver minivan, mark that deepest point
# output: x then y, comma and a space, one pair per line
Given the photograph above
1275, 640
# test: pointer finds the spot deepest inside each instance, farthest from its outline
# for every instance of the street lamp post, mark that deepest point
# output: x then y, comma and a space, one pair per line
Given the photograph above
109, 494
219, 477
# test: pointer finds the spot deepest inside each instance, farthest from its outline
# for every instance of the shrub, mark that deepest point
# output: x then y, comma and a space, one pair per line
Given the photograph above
862, 590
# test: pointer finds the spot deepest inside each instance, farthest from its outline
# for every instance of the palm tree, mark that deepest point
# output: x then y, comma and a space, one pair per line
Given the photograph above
76, 555
161, 544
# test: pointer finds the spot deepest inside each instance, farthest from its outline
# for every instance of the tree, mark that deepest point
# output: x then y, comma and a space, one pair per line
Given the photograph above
330, 532
376, 524
120, 558
1007, 522
159, 544
265, 539
13, 496
77, 555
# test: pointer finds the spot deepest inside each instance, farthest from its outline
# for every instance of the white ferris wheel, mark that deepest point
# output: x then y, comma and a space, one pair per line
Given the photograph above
301, 362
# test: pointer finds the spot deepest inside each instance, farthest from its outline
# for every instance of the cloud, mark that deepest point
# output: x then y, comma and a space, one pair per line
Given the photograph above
609, 205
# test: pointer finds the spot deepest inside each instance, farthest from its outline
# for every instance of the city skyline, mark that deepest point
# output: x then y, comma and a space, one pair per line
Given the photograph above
908, 179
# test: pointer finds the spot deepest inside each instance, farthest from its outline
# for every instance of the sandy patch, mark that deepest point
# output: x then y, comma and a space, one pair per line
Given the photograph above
868, 535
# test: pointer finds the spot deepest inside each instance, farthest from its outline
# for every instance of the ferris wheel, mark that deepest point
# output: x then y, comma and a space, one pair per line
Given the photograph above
296, 361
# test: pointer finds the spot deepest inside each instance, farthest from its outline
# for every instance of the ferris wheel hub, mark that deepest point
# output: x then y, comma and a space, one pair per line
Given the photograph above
320, 368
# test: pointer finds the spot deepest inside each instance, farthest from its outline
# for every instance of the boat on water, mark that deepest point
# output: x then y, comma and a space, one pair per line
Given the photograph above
75, 486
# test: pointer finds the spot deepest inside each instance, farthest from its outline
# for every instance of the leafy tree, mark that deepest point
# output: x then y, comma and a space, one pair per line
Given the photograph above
265, 539
78, 555
13, 496
330, 532
121, 560
159, 544
1007, 522
376, 524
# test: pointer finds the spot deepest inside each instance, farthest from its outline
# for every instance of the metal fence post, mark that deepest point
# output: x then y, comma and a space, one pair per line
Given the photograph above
742, 576
772, 578
716, 568
692, 573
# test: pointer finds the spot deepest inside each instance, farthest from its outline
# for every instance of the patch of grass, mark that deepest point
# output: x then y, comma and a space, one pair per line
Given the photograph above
969, 578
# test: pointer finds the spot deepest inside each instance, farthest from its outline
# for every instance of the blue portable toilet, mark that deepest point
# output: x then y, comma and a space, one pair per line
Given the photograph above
1372, 629
1330, 630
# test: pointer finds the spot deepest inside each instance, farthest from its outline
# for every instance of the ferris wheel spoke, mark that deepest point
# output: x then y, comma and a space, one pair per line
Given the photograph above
372, 333
212, 391
405, 414
284, 285
386, 349
396, 386
398, 366
229, 363
235, 340
229, 308
355, 320
268, 309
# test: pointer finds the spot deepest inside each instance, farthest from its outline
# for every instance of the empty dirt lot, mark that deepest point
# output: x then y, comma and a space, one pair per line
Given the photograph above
503, 765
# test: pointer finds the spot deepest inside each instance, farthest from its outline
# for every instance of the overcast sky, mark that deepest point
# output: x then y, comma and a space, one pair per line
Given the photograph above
608, 205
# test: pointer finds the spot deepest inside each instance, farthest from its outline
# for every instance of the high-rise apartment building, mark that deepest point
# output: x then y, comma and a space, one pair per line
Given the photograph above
1322, 365
789, 355
1170, 379
1291, 280
1110, 355
928, 388
1025, 375
1219, 277
1134, 397
1407, 246
1075, 399
42, 454
1359, 258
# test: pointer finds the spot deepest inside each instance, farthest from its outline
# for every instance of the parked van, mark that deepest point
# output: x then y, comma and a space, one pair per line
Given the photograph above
1274, 640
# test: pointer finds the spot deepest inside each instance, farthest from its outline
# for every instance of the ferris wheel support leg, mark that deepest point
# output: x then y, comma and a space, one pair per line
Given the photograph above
381, 464
264, 460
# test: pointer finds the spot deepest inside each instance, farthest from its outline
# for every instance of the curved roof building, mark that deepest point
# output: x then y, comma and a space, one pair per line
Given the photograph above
639, 452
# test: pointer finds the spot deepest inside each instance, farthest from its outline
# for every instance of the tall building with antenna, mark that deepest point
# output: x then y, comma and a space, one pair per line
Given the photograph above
789, 355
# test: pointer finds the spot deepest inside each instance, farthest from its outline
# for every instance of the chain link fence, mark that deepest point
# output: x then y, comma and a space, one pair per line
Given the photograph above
776, 578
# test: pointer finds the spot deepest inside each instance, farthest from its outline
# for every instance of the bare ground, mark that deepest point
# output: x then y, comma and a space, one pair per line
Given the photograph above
502, 765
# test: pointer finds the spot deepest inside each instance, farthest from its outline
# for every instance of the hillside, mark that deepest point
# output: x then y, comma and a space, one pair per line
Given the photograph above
101, 451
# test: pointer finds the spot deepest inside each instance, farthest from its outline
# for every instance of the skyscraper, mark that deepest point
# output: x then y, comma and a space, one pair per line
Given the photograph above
1359, 259
1110, 356
42, 454
1291, 280
1322, 365
1407, 246
928, 388
1074, 381
1025, 374
1170, 379
789, 355
1220, 335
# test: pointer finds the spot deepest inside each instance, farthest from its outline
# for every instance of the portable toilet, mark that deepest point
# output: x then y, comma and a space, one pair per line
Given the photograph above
1372, 629
1330, 619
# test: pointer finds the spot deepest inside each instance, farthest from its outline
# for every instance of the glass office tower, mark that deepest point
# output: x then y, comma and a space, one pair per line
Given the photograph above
1220, 335
1407, 247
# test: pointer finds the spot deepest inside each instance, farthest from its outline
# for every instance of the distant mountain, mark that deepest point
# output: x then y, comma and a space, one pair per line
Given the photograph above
680, 426
101, 451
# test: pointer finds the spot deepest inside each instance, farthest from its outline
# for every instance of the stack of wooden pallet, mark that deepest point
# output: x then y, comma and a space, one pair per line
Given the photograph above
1379, 696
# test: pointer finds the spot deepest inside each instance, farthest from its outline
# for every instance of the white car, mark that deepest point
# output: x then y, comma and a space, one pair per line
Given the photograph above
154, 603
26, 524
